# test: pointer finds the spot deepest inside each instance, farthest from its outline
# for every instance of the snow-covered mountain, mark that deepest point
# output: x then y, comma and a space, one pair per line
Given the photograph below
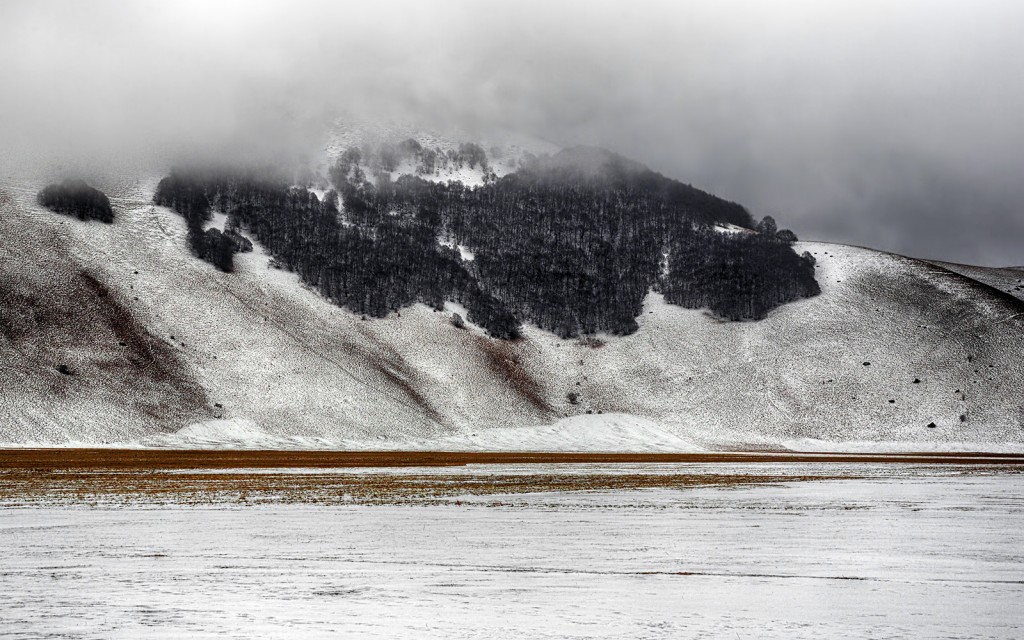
117, 334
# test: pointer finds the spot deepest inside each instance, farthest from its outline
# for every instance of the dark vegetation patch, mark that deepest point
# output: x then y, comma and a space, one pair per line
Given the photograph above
76, 198
147, 356
213, 247
341, 489
389, 363
74, 326
507, 365
371, 269
398, 379
740, 278
571, 243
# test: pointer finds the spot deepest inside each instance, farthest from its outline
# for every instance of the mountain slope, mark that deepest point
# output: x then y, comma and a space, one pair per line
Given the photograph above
1009, 280
256, 348
73, 349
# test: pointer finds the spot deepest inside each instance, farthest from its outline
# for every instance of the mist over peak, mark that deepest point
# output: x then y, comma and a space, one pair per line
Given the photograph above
890, 126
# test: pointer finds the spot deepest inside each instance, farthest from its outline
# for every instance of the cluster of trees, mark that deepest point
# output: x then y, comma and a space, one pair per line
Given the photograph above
571, 243
193, 195
377, 265
739, 276
76, 198
358, 164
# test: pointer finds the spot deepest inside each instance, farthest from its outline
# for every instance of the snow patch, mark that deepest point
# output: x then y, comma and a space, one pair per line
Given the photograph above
812, 445
616, 432
587, 433
730, 228
217, 221
464, 252
234, 432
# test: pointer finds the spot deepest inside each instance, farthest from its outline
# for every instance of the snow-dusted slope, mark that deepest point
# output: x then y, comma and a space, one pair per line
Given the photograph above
1009, 280
74, 352
265, 356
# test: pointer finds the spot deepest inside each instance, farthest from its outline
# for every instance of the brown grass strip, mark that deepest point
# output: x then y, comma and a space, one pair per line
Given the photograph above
26, 487
157, 459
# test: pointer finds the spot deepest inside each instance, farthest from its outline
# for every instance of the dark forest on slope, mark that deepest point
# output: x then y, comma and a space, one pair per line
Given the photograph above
571, 243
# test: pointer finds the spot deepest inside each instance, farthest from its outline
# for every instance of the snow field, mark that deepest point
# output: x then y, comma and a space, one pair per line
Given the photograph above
935, 557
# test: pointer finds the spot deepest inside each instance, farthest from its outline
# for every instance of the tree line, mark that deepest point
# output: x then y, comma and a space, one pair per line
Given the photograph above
571, 243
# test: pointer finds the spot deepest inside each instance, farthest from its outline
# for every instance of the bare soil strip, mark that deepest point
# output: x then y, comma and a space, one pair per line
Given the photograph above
128, 476
23, 488
155, 459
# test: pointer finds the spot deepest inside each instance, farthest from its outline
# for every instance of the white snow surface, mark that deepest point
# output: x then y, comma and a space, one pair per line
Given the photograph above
731, 228
1009, 280
464, 251
608, 432
897, 557
811, 445
466, 254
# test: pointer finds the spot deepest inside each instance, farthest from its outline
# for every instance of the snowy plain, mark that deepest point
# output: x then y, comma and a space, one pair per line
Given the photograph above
886, 552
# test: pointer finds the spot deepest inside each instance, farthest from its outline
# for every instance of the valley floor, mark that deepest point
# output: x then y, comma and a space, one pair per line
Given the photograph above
737, 548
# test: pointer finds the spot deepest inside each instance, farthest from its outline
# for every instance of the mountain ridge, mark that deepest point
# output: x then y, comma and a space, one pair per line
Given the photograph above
894, 351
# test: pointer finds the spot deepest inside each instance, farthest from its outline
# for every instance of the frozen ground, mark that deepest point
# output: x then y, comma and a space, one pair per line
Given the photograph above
608, 432
894, 553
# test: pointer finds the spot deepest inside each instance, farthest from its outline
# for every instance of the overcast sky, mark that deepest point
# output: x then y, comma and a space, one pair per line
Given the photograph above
893, 124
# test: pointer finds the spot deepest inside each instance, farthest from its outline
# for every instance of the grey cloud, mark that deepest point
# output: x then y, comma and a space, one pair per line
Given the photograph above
894, 125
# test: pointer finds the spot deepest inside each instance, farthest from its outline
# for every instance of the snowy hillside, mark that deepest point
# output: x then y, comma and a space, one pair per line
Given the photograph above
1009, 280
155, 341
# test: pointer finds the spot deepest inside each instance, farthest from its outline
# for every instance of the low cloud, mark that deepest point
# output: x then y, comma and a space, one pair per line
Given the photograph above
892, 125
